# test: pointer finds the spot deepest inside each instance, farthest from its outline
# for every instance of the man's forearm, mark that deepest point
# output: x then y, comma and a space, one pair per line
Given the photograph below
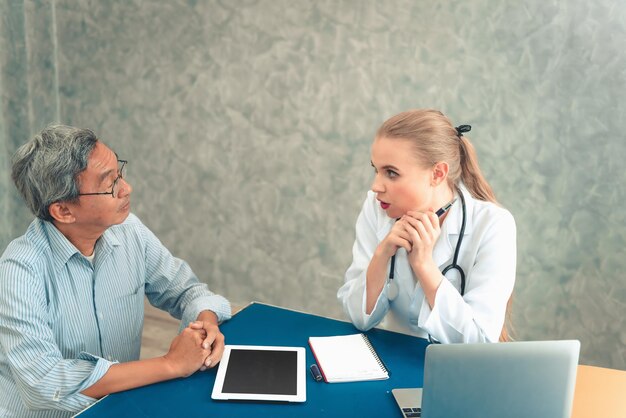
134, 374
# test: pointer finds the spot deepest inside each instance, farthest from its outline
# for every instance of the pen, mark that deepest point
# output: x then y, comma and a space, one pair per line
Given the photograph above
315, 371
439, 213
445, 208
442, 209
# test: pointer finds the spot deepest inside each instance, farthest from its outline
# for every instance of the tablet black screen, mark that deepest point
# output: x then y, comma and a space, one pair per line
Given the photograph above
261, 371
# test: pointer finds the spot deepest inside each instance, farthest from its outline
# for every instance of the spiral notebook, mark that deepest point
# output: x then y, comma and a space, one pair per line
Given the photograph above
347, 358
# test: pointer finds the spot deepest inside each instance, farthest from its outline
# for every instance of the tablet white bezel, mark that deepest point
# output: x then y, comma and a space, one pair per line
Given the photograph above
300, 395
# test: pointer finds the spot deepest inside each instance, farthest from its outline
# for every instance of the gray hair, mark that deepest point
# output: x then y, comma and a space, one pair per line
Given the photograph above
46, 168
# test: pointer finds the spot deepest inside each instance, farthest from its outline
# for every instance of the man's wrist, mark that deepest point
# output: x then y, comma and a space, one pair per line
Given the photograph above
208, 316
168, 366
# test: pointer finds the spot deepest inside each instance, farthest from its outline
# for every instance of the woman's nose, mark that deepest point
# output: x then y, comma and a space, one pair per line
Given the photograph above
377, 185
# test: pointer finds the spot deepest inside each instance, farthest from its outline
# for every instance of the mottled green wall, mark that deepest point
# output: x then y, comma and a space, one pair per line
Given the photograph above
248, 123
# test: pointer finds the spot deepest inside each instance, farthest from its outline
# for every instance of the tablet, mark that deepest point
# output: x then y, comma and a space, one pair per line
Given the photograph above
261, 373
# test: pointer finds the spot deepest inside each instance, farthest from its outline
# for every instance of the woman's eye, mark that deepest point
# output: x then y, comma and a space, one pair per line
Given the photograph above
392, 174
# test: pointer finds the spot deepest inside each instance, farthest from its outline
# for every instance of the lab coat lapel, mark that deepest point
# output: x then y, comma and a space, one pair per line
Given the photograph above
385, 223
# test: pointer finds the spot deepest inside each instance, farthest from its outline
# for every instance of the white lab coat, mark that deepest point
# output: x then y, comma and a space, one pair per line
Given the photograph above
487, 256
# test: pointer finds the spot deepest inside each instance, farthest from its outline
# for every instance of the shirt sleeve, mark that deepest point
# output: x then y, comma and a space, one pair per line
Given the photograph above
479, 315
171, 285
353, 294
44, 379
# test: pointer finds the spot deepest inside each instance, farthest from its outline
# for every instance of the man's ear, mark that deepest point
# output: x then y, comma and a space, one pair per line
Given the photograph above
440, 173
61, 213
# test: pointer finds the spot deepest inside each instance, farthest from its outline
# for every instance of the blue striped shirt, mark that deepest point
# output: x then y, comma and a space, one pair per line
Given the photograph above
64, 321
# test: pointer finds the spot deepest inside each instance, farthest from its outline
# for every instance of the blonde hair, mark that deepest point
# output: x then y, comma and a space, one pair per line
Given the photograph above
435, 140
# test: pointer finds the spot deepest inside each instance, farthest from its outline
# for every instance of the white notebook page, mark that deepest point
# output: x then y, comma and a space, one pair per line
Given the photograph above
347, 358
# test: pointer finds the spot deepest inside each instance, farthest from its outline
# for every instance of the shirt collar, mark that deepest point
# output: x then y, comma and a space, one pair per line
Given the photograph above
107, 241
62, 249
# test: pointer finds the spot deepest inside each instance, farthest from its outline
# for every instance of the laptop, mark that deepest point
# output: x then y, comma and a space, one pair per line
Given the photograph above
513, 380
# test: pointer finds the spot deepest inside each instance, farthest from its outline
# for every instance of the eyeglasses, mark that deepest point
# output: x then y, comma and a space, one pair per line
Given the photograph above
121, 173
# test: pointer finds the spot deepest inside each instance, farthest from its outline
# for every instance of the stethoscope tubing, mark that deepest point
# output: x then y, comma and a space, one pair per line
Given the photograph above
453, 266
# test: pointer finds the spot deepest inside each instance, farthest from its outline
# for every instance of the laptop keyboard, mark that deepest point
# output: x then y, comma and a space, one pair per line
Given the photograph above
412, 412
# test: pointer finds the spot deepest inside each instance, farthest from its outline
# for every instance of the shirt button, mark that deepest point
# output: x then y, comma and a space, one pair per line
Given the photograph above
100, 316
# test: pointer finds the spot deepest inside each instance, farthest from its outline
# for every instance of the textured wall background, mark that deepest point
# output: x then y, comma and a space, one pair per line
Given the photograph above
248, 124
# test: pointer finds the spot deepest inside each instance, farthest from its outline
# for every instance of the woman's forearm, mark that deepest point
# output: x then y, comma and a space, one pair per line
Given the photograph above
375, 278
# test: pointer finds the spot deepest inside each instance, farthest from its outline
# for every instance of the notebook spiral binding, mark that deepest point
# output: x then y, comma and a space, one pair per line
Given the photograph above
370, 347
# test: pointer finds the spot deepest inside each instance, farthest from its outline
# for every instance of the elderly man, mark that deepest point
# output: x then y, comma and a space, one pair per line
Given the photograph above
72, 287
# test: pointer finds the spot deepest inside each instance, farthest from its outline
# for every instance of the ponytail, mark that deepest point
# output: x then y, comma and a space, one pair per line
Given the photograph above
508, 330
471, 175
475, 182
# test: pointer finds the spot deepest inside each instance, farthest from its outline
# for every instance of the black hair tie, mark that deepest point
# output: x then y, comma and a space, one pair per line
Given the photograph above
461, 129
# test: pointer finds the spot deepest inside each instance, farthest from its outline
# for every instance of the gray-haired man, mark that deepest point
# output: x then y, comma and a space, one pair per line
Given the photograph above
72, 287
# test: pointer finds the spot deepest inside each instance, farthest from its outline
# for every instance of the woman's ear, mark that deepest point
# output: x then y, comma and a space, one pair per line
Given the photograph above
61, 212
440, 173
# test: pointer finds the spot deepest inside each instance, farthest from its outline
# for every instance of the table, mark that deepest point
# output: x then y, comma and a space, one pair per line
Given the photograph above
600, 393
260, 324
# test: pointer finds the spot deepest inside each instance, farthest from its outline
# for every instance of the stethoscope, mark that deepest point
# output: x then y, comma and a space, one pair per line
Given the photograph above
392, 286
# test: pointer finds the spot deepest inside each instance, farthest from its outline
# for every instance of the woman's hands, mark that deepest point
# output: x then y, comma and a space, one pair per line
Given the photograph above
423, 230
417, 233
398, 237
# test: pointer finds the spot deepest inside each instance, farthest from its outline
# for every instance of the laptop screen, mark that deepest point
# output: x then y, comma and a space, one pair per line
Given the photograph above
516, 379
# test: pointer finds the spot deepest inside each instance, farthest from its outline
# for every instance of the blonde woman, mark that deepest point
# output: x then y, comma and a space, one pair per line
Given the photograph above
434, 254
